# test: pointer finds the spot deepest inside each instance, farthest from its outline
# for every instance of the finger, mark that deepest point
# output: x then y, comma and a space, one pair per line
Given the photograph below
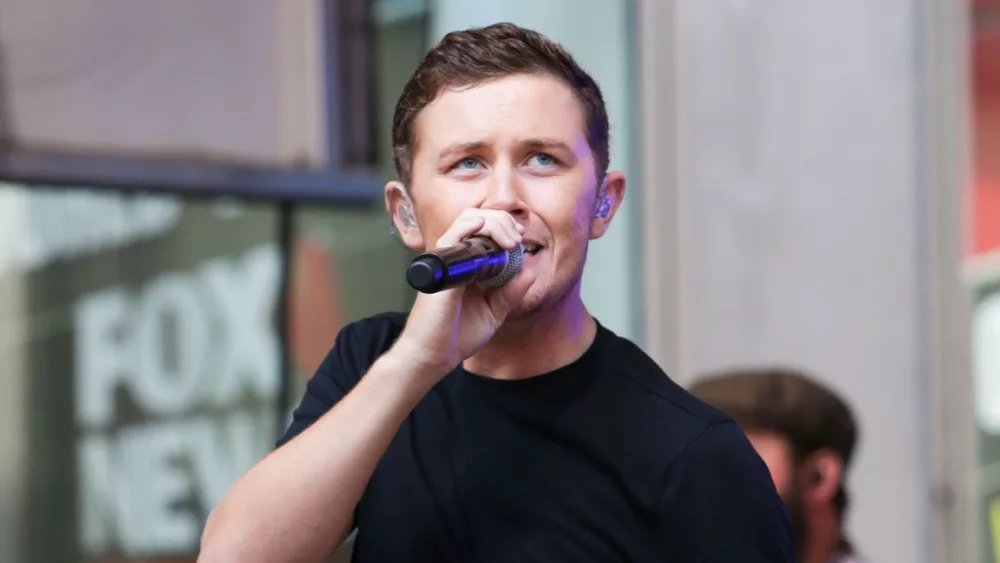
497, 225
501, 220
515, 229
504, 235
503, 300
493, 223
464, 227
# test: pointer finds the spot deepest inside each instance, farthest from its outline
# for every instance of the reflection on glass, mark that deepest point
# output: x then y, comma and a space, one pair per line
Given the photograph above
140, 347
143, 331
143, 335
345, 266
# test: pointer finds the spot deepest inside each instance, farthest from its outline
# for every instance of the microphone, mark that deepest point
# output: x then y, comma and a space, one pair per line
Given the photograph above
477, 259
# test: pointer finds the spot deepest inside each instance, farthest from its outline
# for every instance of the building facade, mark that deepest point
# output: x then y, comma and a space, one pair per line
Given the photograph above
809, 184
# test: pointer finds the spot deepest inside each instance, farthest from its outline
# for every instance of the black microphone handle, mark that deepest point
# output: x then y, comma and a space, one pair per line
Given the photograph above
477, 259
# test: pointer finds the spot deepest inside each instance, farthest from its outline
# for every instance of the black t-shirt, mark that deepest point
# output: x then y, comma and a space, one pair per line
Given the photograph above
603, 460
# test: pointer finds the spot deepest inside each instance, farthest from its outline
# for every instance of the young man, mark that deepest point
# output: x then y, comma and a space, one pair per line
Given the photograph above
502, 424
806, 434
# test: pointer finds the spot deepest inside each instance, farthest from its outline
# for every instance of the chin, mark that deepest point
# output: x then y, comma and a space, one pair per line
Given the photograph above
540, 299
529, 307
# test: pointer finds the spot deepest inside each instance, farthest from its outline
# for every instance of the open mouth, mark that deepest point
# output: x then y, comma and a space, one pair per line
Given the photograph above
531, 249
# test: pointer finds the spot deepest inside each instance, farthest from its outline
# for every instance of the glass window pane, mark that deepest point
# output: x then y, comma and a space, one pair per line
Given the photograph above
140, 345
345, 266
140, 356
141, 349
353, 249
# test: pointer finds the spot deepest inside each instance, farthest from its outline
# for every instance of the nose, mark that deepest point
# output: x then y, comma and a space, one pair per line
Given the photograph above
504, 193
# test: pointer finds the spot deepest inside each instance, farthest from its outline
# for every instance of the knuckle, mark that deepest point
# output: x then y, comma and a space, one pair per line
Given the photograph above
463, 221
501, 214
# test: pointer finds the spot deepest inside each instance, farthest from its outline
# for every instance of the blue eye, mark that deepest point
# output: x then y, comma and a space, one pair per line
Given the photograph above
467, 163
543, 159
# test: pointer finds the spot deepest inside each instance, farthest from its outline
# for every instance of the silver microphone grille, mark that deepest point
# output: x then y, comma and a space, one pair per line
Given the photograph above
515, 257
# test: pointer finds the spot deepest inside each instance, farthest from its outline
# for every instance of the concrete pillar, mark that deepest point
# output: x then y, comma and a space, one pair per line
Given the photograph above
789, 167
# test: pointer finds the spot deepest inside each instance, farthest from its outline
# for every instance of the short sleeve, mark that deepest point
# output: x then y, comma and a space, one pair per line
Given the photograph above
336, 376
720, 504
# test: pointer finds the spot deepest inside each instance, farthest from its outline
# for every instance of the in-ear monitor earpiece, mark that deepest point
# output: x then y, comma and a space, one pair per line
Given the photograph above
405, 210
604, 207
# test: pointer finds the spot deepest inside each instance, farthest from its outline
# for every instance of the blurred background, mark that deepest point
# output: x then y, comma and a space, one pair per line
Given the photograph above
191, 208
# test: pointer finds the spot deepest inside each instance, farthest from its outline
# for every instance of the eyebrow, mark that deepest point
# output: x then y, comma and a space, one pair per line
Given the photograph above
547, 143
460, 148
535, 143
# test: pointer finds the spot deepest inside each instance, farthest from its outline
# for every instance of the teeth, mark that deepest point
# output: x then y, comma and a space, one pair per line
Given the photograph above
530, 249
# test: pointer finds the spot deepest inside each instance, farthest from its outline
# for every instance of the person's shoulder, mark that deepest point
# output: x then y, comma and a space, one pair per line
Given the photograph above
677, 408
661, 418
390, 322
361, 342
720, 483
356, 347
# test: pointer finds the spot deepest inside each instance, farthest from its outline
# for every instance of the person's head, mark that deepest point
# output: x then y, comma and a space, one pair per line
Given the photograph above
502, 117
803, 431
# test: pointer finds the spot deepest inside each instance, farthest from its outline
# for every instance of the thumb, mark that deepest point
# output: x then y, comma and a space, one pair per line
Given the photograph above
505, 299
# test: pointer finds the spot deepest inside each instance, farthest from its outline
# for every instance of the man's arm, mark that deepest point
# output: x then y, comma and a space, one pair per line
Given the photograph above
297, 504
720, 504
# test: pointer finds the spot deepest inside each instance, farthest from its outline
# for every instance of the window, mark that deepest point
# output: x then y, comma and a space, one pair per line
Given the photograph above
145, 341
142, 354
140, 332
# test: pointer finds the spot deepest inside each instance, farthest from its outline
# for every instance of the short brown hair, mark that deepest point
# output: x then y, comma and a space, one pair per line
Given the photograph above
786, 401
473, 56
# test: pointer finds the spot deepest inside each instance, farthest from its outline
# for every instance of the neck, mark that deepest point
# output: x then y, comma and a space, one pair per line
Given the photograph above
824, 535
538, 343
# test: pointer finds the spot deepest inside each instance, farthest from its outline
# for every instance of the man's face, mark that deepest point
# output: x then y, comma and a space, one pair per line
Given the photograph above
777, 454
779, 457
517, 144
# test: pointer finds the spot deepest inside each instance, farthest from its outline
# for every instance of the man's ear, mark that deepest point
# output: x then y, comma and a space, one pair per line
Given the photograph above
826, 473
399, 205
609, 198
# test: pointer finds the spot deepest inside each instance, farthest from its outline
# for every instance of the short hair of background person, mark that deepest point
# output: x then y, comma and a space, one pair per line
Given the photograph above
814, 420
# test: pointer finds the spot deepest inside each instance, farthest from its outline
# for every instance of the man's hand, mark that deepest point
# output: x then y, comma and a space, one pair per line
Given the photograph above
447, 327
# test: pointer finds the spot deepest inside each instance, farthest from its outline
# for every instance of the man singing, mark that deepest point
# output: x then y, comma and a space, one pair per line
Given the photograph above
502, 424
